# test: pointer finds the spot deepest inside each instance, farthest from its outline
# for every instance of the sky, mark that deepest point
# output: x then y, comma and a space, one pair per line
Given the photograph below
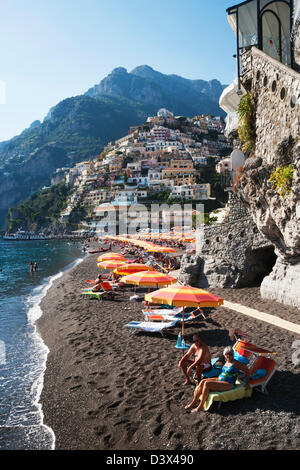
54, 49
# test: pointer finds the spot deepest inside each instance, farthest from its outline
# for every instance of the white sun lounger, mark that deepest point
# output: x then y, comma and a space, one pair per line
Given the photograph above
151, 327
166, 317
162, 311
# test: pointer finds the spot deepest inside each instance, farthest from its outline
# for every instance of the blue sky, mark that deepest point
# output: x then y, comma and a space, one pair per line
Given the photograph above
54, 49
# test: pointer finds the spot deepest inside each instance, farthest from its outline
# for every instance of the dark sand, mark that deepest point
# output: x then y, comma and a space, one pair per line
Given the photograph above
107, 389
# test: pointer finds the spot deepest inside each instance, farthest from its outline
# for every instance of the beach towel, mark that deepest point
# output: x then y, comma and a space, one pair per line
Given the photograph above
258, 374
240, 358
236, 394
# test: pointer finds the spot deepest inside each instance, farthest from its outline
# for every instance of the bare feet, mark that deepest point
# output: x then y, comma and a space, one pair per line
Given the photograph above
199, 408
194, 410
187, 382
188, 407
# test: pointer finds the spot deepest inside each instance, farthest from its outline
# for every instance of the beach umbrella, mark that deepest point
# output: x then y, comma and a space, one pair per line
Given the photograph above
133, 268
111, 256
184, 296
161, 249
149, 279
111, 264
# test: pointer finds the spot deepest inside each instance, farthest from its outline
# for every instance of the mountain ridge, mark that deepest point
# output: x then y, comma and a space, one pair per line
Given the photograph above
79, 127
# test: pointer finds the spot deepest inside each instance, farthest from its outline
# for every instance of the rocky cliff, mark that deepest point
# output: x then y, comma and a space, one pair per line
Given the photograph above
275, 203
145, 85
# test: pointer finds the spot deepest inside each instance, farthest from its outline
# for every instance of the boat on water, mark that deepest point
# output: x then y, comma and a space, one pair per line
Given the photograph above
24, 235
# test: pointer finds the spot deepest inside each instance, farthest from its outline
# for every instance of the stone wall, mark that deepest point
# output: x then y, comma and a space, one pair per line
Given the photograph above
276, 91
233, 254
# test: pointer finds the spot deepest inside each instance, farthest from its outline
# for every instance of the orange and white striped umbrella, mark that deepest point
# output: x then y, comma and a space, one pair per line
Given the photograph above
111, 264
133, 268
161, 249
149, 279
184, 296
111, 256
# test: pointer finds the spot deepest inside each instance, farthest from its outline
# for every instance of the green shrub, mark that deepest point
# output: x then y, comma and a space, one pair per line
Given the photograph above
282, 179
246, 129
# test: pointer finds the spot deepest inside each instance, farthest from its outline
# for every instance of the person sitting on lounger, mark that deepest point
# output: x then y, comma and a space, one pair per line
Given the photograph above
97, 285
198, 357
223, 383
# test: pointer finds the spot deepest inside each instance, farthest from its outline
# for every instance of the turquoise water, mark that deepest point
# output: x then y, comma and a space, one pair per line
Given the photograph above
22, 351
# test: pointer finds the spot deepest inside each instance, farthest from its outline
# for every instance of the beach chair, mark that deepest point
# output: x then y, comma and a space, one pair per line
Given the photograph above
148, 312
261, 370
167, 315
107, 291
151, 327
261, 373
264, 366
237, 393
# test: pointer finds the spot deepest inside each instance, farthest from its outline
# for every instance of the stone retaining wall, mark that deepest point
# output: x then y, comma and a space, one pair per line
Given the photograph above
233, 253
276, 89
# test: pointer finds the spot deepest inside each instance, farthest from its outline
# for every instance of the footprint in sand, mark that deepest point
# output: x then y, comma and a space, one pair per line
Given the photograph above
130, 381
114, 405
158, 430
100, 430
76, 387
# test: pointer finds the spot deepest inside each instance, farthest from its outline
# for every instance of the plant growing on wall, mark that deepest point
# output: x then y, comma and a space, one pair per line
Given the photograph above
246, 129
282, 179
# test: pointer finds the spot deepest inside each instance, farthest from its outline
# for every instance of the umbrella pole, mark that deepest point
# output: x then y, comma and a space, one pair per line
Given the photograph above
182, 329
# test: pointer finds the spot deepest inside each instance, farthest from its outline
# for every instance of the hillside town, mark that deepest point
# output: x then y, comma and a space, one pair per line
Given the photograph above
158, 161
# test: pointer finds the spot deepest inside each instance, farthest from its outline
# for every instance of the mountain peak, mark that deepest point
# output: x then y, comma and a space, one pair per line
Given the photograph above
142, 68
119, 71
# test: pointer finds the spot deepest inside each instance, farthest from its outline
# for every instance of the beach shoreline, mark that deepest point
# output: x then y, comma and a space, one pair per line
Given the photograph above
105, 389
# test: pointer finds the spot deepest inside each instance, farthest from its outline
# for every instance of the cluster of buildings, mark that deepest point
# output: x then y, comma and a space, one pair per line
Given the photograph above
160, 158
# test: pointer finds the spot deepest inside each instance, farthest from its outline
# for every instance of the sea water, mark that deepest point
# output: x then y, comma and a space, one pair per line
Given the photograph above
23, 353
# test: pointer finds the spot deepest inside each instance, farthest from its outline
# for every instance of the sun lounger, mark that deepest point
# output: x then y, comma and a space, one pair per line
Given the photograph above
108, 290
162, 311
151, 327
167, 315
261, 372
95, 295
260, 365
236, 394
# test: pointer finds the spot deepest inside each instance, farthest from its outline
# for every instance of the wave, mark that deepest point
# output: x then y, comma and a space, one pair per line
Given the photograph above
34, 312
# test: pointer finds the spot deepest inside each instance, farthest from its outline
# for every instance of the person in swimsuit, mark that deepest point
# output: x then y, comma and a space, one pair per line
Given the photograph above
225, 381
198, 357
97, 285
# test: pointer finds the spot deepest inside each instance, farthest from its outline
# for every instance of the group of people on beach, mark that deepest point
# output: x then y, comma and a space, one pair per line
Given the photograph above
33, 266
198, 357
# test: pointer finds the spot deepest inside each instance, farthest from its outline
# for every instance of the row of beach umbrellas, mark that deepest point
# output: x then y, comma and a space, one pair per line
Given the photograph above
145, 276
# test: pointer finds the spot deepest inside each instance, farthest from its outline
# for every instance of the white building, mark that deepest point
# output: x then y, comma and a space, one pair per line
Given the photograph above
165, 113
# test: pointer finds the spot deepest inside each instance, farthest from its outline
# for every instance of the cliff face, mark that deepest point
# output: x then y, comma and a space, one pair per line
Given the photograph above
28, 177
275, 89
178, 94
